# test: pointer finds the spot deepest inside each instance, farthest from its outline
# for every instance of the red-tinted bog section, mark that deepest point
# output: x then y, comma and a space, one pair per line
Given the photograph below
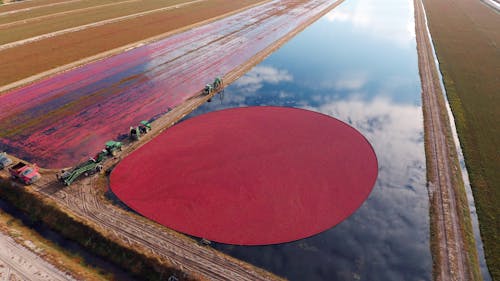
250, 176
65, 119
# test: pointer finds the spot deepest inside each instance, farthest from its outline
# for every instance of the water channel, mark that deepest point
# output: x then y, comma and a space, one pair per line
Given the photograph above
358, 64
91, 260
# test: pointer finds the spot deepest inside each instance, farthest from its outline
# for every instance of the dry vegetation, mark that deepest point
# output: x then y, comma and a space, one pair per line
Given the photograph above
466, 36
45, 210
56, 255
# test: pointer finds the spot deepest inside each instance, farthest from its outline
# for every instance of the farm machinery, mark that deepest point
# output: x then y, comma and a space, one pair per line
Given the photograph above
216, 86
91, 166
136, 132
87, 168
112, 147
25, 173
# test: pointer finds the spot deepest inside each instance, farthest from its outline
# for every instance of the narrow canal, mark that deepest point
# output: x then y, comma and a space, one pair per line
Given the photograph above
358, 64
99, 264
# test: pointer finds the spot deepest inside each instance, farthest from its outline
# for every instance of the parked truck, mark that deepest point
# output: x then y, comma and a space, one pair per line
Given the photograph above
25, 173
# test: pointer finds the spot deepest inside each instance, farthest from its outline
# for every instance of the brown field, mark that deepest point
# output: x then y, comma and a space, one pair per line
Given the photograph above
50, 10
466, 37
14, 32
27, 4
39, 56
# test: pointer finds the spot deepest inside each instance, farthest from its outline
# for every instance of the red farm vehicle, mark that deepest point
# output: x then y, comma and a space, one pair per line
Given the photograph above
25, 173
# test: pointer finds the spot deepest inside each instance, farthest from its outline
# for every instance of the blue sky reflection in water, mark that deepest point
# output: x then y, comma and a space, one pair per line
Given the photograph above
357, 64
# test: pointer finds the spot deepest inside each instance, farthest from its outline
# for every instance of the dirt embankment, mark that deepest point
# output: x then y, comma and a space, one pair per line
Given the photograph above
466, 38
454, 252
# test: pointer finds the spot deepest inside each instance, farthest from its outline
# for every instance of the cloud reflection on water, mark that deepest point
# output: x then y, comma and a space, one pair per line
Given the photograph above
357, 64
381, 20
387, 238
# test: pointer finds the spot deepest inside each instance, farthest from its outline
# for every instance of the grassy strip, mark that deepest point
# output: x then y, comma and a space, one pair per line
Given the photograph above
64, 260
461, 200
44, 210
433, 202
466, 38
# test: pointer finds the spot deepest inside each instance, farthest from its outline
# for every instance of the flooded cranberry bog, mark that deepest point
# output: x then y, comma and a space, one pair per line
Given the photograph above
282, 174
64, 119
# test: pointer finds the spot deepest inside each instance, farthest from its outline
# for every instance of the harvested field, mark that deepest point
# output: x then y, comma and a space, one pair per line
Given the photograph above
466, 37
67, 118
50, 52
41, 11
30, 5
257, 175
12, 31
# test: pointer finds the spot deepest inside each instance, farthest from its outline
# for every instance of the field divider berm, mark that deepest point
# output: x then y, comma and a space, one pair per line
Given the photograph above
454, 252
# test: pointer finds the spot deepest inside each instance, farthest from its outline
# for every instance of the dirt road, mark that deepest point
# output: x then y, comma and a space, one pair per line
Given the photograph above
452, 263
18, 263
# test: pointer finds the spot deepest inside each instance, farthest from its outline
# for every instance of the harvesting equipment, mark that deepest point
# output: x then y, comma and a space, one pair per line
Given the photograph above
215, 86
25, 173
87, 168
112, 147
145, 126
136, 132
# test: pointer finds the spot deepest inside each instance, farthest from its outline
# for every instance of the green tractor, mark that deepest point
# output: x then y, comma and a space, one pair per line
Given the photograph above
215, 86
144, 127
136, 132
112, 147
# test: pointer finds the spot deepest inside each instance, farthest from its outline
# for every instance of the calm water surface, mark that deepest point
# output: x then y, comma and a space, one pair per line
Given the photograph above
357, 64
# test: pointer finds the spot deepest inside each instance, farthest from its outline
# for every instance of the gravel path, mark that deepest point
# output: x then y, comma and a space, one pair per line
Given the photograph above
18, 263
